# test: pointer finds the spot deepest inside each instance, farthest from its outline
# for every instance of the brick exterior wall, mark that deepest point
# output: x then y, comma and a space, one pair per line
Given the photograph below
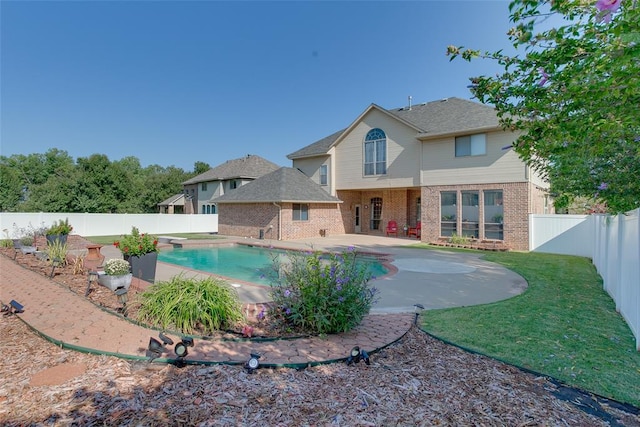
397, 205
247, 219
519, 200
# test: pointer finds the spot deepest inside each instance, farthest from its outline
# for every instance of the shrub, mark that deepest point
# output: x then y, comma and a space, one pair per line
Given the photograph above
459, 240
60, 227
57, 251
319, 293
136, 243
27, 240
117, 267
191, 305
6, 243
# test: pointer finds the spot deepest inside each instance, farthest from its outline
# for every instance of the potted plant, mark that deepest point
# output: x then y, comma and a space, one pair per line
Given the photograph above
27, 245
141, 251
59, 231
116, 275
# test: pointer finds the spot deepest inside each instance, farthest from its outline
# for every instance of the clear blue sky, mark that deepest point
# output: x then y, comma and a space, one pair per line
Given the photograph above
172, 83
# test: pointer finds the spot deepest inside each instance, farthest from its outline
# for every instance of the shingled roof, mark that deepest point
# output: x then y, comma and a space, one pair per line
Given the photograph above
250, 167
441, 117
283, 185
176, 200
447, 116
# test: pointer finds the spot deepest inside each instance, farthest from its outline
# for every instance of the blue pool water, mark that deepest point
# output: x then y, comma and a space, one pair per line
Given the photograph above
238, 262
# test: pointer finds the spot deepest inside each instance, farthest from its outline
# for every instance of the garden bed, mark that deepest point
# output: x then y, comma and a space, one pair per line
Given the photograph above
106, 299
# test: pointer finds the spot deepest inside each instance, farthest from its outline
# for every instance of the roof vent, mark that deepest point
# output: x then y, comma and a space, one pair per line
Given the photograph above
444, 99
409, 102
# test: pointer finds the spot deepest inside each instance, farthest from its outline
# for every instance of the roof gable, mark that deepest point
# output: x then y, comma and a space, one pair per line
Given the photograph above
446, 116
283, 185
176, 199
250, 166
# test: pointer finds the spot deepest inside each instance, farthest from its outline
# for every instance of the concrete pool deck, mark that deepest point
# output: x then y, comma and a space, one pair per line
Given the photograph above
434, 278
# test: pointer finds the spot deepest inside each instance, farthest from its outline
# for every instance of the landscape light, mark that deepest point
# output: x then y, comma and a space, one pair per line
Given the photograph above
165, 339
356, 355
16, 306
93, 277
123, 298
154, 349
181, 348
55, 262
253, 363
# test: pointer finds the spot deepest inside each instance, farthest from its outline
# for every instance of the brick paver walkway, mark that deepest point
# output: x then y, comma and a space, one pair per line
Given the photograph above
71, 320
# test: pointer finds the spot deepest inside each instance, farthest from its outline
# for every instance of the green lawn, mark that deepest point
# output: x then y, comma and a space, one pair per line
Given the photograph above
108, 240
564, 326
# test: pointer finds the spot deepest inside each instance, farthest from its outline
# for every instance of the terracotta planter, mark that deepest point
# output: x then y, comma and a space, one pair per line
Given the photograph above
52, 238
144, 266
115, 282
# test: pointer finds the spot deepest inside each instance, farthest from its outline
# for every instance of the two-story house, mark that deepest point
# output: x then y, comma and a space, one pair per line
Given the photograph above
445, 164
200, 190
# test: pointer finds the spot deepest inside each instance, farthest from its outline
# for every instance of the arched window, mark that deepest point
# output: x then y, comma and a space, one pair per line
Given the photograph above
375, 152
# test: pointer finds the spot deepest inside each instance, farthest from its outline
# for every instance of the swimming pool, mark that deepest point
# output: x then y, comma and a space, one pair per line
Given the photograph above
246, 263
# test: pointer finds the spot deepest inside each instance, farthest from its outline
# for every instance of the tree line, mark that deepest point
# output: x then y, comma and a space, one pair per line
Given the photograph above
55, 182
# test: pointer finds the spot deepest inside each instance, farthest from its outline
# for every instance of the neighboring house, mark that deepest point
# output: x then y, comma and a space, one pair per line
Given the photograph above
282, 205
200, 190
173, 205
445, 163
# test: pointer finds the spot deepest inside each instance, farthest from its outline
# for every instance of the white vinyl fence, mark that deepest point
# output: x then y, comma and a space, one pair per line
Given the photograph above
612, 243
91, 224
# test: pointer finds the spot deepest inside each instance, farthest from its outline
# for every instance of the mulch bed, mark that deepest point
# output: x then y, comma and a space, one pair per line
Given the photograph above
77, 280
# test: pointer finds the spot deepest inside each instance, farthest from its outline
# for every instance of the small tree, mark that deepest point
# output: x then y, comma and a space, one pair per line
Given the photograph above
574, 90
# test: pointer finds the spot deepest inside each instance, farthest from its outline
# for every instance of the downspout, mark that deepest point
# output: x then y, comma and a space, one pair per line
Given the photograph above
279, 220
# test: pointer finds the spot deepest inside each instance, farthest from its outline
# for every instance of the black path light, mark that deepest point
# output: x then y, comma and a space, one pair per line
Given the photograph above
121, 293
154, 349
253, 363
55, 262
356, 355
181, 348
181, 351
14, 307
93, 277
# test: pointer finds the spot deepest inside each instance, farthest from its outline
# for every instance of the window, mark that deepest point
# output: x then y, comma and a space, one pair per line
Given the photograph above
204, 209
471, 145
493, 214
376, 213
208, 209
204, 186
233, 184
323, 175
418, 209
448, 213
300, 212
375, 152
470, 214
